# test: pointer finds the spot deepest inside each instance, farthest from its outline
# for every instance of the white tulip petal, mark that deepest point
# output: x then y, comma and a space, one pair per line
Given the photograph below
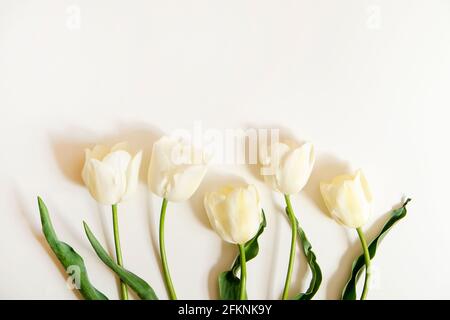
119, 161
103, 183
183, 184
214, 204
296, 169
272, 165
133, 175
346, 202
328, 194
98, 152
365, 186
159, 166
249, 215
233, 211
164, 148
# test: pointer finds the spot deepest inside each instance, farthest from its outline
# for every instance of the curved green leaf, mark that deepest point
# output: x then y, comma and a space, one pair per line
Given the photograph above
229, 281
68, 257
316, 278
229, 286
316, 273
349, 292
142, 288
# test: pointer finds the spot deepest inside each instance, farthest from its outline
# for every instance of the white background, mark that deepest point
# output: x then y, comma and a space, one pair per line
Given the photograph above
366, 81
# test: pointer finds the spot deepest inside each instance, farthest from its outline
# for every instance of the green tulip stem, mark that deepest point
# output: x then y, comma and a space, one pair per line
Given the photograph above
123, 286
367, 261
293, 222
162, 250
243, 291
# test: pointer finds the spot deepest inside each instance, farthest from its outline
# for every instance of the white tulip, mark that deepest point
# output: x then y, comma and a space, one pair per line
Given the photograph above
111, 175
234, 213
348, 198
286, 169
176, 169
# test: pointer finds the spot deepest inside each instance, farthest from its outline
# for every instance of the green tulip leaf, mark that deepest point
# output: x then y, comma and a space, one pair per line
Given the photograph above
142, 288
229, 281
68, 257
316, 278
349, 292
229, 286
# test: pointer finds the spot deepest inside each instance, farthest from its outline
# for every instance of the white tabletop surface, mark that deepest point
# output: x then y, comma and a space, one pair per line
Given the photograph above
368, 82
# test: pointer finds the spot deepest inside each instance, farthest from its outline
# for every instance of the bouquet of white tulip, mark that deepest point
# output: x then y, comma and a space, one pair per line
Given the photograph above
176, 170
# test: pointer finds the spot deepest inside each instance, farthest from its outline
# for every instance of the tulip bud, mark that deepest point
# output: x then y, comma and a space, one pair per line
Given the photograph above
176, 169
111, 175
234, 213
348, 198
287, 169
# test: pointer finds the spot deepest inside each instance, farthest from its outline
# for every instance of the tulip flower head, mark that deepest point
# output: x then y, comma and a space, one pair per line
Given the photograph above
234, 213
111, 174
348, 198
176, 169
287, 168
